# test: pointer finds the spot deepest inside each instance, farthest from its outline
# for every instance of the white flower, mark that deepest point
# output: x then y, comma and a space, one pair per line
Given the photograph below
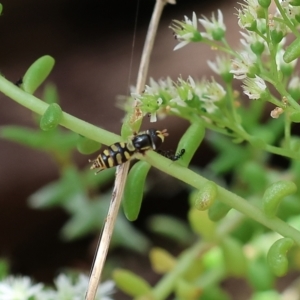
215, 92
241, 66
250, 38
19, 288
76, 290
209, 93
254, 87
186, 31
222, 65
247, 15
213, 27
178, 101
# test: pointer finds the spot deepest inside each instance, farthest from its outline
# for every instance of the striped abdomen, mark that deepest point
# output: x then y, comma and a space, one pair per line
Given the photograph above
114, 155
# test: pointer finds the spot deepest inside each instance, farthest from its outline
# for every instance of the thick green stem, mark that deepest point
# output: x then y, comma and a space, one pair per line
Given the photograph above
153, 158
38, 106
225, 196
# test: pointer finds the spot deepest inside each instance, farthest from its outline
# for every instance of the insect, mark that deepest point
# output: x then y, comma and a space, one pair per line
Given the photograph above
120, 152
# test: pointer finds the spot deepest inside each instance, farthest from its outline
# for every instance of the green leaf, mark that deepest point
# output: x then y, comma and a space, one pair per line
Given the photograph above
161, 260
277, 256
234, 257
130, 283
134, 189
292, 52
171, 227
51, 117
28, 137
218, 211
274, 194
201, 224
37, 73
50, 94
87, 146
185, 290
190, 141
205, 197
259, 275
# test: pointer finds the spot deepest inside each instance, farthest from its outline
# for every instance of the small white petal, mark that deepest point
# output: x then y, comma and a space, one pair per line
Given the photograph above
153, 117
180, 45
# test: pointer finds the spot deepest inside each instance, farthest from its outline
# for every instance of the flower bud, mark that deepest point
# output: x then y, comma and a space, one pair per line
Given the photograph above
264, 3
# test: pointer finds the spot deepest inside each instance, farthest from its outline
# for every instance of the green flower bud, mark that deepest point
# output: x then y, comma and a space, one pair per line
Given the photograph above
51, 117
294, 2
197, 37
260, 12
253, 70
276, 36
277, 256
252, 27
264, 3
218, 34
257, 48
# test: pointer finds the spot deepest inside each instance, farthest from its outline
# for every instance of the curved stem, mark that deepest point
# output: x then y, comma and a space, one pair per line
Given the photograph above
224, 195
38, 106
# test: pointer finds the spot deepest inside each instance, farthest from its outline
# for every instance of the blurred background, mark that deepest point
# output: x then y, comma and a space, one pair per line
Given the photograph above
91, 42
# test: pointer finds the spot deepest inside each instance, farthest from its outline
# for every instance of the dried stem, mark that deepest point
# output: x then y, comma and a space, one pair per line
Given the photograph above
122, 170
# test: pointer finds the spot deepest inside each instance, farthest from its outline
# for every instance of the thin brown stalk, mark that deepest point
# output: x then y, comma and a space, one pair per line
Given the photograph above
122, 170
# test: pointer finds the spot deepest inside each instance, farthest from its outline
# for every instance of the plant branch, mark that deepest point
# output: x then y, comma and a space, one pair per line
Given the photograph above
224, 195
68, 121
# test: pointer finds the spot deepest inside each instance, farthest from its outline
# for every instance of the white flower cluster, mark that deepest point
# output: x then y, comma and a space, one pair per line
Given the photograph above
166, 96
187, 31
23, 288
263, 29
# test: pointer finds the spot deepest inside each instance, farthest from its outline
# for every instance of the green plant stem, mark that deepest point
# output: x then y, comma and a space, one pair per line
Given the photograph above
38, 106
166, 285
186, 260
225, 196
287, 132
286, 19
184, 174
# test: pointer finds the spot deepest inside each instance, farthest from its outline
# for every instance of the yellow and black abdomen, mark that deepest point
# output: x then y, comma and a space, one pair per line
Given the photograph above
121, 152
114, 155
